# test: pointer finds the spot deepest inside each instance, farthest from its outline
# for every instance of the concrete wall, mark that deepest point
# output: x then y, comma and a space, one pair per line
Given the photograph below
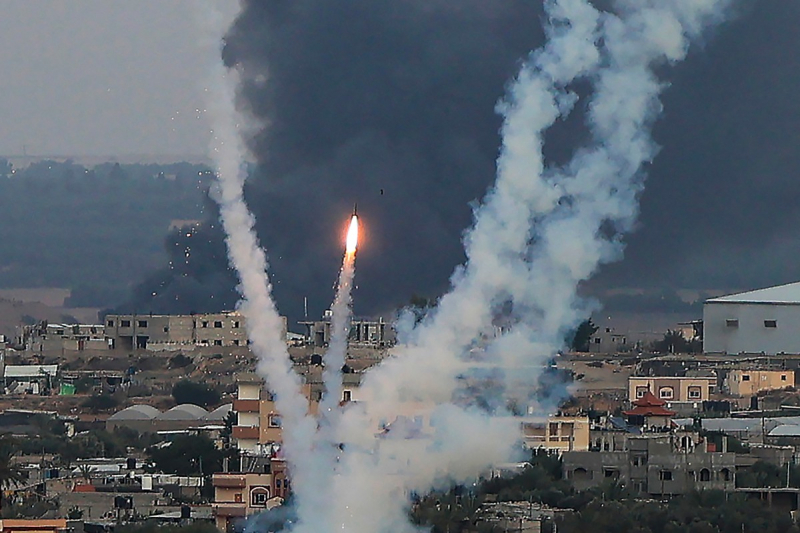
740, 328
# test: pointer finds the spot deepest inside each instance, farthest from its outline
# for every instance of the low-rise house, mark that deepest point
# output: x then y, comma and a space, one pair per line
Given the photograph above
29, 379
681, 393
557, 433
741, 382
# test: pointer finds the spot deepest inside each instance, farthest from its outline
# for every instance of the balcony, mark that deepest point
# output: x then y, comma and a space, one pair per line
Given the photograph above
245, 406
229, 509
229, 481
246, 432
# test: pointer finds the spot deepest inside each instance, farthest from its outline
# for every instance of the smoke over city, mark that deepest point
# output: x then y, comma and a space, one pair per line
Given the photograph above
540, 230
407, 129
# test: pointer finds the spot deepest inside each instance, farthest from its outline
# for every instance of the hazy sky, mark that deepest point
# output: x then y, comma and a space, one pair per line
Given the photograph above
103, 77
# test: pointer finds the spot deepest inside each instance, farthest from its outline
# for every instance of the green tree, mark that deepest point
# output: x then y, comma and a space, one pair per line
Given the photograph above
188, 455
100, 402
186, 391
582, 336
11, 474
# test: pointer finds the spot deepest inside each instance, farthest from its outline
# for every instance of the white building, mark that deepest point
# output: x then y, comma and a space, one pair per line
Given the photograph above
761, 321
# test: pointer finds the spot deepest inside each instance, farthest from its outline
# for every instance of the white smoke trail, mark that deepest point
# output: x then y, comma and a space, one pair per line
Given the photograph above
337, 349
537, 235
264, 324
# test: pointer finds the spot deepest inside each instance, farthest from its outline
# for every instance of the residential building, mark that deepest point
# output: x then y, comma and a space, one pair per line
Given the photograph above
172, 332
55, 338
608, 341
363, 332
750, 382
760, 321
241, 494
673, 389
557, 433
258, 425
29, 379
654, 465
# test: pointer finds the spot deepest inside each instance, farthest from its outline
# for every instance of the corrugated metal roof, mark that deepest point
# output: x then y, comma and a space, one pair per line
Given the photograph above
781, 294
29, 371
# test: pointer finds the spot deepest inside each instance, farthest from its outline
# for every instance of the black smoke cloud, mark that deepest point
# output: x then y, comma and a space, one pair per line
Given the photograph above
390, 103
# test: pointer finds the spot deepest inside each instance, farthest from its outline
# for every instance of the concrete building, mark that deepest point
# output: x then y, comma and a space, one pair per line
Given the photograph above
258, 425
172, 332
29, 379
751, 382
672, 389
241, 494
363, 332
653, 465
606, 340
54, 338
557, 433
760, 321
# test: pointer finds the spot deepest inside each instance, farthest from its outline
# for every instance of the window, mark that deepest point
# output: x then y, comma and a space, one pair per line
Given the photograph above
204, 324
274, 421
236, 342
770, 323
641, 391
783, 377
665, 475
125, 323
597, 340
732, 323
695, 393
666, 392
705, 475
725, 474
110, 323
143, 323
218, 342
611, 473
235, 324
259, 496
640, 460
218, 323
166, 329
347, 395
745, 377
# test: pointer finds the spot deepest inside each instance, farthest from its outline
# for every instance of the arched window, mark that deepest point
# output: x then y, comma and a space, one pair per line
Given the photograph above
705, 475
580, 473
259, 496
725, 474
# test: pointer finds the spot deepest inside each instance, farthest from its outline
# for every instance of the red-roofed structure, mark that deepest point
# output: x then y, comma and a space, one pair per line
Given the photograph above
649, 411
649, 405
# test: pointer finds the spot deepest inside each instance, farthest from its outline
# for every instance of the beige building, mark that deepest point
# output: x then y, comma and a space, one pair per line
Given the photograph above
172, 332
672, 389
258, 423
238, 495
751, 382
44, 338
557, 433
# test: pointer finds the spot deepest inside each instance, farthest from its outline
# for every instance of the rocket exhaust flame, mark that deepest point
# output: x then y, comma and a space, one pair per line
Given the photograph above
352, 236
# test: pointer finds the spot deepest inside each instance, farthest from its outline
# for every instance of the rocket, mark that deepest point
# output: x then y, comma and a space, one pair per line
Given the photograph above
355, 209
